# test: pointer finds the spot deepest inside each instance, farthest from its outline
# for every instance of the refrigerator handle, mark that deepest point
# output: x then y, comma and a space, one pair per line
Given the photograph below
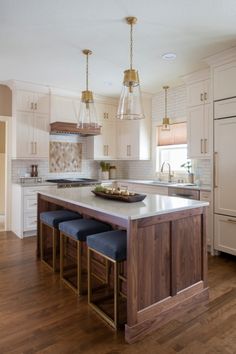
215, 169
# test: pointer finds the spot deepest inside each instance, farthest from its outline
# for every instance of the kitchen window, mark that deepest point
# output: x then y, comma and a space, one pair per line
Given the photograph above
172, 146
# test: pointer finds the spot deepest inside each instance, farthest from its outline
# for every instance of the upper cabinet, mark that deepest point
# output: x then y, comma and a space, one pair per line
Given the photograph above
105, 144
199, 115
64, 109
224, 81
198, 93
30, 125
27, 101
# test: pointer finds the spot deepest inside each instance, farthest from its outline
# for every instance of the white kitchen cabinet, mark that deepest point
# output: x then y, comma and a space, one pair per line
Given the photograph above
104, 147
225, 166
198, 93
142, 188
199, 136
224, 81
225, 234
207, 196
24, 208
64, 109
30, 135
28, 101
225, 108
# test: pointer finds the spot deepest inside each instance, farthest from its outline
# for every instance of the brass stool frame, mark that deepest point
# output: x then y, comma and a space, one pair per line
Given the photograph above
78, 289
117, 292
55, 236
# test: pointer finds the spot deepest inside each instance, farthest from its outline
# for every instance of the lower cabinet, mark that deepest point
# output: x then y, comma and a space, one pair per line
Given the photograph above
143, 188
225, 233
24, 208
207, 196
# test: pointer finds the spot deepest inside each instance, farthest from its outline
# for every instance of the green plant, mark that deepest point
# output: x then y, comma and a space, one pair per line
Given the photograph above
188, 166
104, 166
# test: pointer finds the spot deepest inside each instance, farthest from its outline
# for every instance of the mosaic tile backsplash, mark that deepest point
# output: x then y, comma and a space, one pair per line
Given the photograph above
65, 157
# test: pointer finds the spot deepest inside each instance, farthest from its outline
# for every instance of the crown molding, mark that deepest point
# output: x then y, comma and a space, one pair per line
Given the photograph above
222, 57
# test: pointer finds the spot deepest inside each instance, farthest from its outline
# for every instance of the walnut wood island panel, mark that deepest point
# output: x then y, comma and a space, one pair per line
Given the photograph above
166, 252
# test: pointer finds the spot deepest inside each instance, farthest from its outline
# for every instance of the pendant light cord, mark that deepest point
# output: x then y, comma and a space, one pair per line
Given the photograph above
165, 102
131, 46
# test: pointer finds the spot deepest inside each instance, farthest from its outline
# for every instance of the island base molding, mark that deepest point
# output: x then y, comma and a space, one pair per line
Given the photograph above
142, 329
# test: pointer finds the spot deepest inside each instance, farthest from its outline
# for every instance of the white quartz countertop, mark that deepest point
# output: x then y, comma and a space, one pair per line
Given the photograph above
203, 187
36, 184
152, 205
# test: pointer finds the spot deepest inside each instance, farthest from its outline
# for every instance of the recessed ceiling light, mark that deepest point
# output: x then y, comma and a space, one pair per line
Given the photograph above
169, 56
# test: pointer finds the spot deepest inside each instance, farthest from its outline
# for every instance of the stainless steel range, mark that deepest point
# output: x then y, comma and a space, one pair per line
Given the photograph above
73, 182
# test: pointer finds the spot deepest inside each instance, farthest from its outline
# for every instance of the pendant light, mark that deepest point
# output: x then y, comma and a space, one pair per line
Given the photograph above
166, 120
130, 104
87, 115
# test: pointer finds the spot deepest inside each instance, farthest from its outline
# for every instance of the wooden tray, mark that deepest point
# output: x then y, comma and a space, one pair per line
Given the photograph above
122, 198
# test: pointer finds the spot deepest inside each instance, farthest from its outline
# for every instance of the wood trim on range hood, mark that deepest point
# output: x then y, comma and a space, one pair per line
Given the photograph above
71, 128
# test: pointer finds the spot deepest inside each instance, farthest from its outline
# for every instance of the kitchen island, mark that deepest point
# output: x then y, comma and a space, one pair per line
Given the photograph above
166, 252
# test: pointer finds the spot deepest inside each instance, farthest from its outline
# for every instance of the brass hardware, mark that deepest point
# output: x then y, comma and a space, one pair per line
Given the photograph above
128, 152
35, 148
215, 170
131, 20
87, 96
35, 106
107, 150
232, 221
205, 146
201, 146
201, 97
131, 78
31, 105
205, 96
32, 147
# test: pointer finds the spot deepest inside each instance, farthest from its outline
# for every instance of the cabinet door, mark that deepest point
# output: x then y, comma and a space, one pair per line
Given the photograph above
224, 81
41, 103
208, 131
105, 144
195, 94
64, 109
195, 126
24, 147
128, 140
225, 166
206, 196
24, 101
225, 234
41, 136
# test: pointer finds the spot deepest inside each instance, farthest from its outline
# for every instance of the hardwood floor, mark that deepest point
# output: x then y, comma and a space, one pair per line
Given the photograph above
39, 315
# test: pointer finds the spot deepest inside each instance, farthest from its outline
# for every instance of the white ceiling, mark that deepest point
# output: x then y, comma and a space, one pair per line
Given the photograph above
41, 40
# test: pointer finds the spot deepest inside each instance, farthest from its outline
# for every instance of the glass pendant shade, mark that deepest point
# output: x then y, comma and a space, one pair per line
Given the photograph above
87, 113
130, 104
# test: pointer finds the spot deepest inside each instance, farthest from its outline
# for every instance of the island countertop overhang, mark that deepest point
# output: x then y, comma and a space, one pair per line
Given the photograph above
152, 205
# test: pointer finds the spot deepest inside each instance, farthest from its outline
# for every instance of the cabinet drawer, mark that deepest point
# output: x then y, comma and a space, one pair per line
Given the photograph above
225, 234
183, 193
33, 191
30, 221
225, 108
30, 203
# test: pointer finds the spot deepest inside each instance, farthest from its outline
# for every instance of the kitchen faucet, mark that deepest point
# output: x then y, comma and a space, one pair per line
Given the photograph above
169, 167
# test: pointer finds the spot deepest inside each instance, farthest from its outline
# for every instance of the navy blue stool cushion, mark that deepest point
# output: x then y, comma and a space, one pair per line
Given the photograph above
112, 244
53, 218
80, 229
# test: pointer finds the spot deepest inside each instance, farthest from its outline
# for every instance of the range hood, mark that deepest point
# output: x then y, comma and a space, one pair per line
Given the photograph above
71, 128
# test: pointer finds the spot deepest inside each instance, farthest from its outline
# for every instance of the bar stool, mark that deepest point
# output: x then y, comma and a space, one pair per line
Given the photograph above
77, 231
112, 246
51, 219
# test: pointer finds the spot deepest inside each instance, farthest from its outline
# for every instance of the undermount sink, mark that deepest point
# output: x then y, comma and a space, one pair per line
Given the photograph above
160, 182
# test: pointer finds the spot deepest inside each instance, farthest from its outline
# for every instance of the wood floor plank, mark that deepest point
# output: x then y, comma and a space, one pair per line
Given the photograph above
40, 315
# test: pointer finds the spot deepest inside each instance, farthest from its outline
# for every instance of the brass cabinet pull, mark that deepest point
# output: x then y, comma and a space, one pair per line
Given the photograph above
201, 97
35, 147
201, 146
31, 105
107, 150
104, 150
232, 221
35, 106
205, 146
205, 96
32, 147
215, 170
